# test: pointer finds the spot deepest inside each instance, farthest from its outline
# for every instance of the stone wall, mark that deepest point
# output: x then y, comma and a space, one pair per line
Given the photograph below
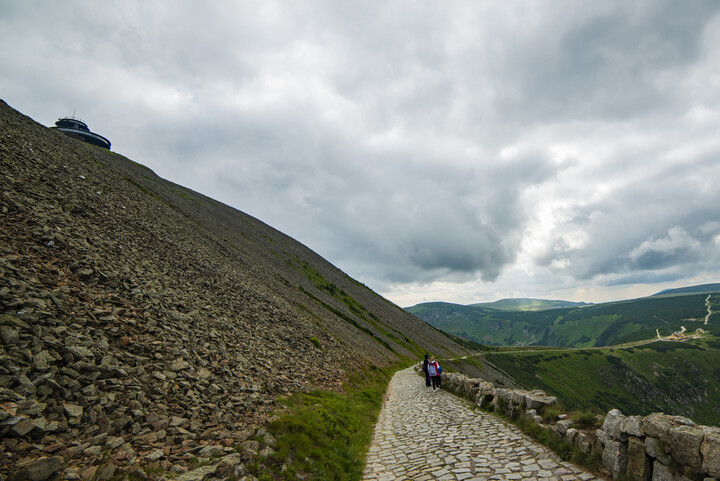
657, 447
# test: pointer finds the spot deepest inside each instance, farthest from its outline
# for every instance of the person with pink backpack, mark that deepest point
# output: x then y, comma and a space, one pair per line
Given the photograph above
434, 370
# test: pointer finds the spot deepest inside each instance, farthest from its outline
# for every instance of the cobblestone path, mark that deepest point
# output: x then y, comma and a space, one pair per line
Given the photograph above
426, 435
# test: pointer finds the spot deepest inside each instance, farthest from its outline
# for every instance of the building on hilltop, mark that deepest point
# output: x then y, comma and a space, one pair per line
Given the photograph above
78, 129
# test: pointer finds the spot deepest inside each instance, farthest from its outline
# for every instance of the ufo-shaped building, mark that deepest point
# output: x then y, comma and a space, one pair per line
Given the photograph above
78, 129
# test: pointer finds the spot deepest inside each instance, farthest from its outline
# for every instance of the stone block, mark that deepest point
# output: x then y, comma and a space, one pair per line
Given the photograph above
503, 394
663, 473
615, 458
562, 426
656, 450
601, 436
710, 450
632, 426
596, 445
518, 398
487, 388
9, 335
682, 420
539, 401
685, 444
639, 467
583, 443
658, 425
613, 425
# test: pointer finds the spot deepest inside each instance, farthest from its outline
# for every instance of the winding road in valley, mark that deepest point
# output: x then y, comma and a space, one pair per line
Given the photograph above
707, 303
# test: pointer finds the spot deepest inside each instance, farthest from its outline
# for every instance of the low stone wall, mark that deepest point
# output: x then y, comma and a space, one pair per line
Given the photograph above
657, 447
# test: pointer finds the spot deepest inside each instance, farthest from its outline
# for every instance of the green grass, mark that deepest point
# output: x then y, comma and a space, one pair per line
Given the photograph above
325, 433
356, 311
552, 439
146, 191
586, 420
561, 446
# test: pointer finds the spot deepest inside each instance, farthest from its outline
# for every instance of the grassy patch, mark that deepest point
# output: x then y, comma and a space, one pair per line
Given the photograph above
354, 308
586, 420
325, 433
145, 190
561, 446
185, 195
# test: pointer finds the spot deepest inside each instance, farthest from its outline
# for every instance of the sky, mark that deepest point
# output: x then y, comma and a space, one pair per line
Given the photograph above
462, 151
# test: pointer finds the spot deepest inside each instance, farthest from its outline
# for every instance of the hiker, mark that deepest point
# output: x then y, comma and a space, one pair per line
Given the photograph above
434, 370
425, 370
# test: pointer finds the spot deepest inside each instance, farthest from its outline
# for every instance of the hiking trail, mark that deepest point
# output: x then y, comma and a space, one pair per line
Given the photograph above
426, 435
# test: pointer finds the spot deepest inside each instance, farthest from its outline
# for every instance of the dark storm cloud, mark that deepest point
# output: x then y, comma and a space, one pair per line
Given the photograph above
619, 62
517, 143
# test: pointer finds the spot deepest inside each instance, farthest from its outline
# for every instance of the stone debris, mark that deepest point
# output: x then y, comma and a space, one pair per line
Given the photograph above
428, 435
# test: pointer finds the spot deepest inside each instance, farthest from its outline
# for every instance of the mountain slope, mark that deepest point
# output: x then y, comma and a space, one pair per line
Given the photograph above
701, 289
585, 326
141, 312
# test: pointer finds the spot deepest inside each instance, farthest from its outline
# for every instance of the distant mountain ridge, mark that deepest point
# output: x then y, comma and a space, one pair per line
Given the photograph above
700, 289
529, 304
518, 322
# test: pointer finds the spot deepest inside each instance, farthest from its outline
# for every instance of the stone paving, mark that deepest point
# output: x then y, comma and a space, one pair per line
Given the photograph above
426, 435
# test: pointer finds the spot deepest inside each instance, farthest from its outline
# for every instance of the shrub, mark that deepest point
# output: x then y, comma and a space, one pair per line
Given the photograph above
585, 420
551, 413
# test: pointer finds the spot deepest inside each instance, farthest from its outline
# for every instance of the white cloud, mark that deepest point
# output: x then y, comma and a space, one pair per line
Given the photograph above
655, 253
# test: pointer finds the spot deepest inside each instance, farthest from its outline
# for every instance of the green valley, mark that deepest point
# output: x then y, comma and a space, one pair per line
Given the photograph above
592, 325
597, 357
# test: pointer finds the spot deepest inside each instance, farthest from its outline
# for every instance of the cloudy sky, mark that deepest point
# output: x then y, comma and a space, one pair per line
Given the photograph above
461, 151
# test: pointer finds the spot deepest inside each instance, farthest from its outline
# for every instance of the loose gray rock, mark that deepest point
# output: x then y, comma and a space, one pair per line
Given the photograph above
197, 474
43, 469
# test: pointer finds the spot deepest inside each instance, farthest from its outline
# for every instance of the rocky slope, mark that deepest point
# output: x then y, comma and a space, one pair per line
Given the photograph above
145, 324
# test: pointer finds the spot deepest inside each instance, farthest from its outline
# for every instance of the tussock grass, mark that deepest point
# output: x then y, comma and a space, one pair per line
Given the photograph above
326, 434
561, 446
